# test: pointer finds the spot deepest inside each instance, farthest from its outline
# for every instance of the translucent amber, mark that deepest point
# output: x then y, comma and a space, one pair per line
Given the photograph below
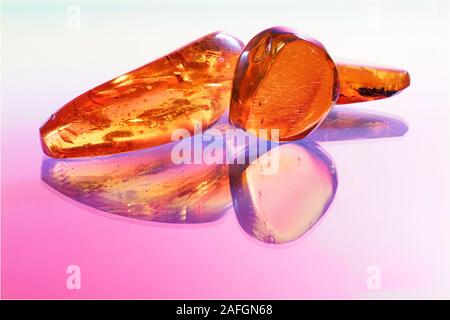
281, 207
360, 83
283, 81
142, 108
145, 185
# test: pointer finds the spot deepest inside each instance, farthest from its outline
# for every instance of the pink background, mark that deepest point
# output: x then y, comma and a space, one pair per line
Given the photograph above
392, 204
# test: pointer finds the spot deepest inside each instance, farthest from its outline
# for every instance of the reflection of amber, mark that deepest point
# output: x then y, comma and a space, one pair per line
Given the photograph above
349, 123
284, 82
287, 82
141, 108
281, 206
364, 83
144, 185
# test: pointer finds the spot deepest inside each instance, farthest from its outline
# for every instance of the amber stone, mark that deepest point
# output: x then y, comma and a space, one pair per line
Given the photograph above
142, 108
144, 185
283, 81
281, 206
359, 83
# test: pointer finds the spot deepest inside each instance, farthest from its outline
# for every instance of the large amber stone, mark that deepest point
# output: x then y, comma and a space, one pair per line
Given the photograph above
283, 81
142, 108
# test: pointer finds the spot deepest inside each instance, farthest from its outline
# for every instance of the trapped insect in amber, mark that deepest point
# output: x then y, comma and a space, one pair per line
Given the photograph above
143, 107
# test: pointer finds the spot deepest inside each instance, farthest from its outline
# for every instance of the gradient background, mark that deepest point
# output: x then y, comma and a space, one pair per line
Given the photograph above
392, 204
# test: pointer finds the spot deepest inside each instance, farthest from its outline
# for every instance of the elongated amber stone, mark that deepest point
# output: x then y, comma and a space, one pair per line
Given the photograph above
283, 81
142, 108
359, 83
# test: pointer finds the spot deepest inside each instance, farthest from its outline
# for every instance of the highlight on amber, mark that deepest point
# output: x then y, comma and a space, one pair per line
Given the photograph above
141, 108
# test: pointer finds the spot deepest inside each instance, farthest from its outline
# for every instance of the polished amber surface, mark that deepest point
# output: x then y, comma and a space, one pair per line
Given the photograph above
359, 83
283, 81
142, 108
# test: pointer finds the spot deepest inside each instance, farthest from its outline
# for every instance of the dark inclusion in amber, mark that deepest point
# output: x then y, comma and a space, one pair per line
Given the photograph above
142, 108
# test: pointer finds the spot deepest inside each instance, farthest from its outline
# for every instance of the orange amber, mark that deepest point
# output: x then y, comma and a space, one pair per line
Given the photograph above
360, 83
283, 81
142, 108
